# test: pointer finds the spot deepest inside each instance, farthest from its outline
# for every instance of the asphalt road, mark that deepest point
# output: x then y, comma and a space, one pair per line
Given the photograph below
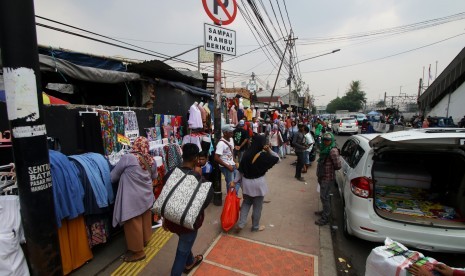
351, 254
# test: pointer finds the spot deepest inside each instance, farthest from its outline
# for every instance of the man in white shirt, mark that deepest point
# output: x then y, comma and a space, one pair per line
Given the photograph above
224, 156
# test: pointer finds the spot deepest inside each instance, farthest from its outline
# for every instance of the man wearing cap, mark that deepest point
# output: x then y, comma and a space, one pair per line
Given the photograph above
328, 163
224, 156
241, 139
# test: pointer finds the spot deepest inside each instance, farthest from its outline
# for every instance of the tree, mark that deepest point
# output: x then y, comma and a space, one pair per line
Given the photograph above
353, 100
354, 97
381, 104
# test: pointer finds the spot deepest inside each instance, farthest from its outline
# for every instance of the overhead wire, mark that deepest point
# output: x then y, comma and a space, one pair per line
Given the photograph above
386, 31
385, 57
156, 54
279, 8
245, 14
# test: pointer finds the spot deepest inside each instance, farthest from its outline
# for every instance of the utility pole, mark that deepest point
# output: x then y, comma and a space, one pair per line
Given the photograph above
217, 194
291, 44
23, 90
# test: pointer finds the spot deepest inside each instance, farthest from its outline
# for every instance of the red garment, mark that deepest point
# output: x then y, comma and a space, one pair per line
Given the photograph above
275, 115
288, 123
249, 128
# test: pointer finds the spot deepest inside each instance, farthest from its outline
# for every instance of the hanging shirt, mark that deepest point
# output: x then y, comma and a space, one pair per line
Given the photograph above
249, 114
195, 117
12, 260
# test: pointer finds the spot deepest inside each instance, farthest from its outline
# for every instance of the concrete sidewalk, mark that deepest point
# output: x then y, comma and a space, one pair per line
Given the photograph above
290, 227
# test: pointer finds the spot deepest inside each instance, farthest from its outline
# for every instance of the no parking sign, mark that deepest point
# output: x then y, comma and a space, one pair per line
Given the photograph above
222, 12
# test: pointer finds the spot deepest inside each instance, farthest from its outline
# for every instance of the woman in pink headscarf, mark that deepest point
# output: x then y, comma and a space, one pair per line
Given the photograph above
134, 199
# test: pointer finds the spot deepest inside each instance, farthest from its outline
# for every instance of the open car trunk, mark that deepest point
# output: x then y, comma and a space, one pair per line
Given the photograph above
425, 187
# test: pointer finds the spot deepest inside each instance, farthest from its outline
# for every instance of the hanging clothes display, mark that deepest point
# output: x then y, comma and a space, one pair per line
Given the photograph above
195, 117
151, 133
240, 114
158, 182
131, 127
173, 156
233, 116
118, 128
12, 259
68, 192
98, 173
74, 248
106, 126
248, 114
89, 133
203, 113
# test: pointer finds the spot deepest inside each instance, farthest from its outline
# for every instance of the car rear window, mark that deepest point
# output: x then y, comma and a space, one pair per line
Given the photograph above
348, 121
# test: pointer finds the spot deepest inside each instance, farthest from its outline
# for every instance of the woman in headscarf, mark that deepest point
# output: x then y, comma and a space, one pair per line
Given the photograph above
275, 138
134, 199
257, 160
328, 164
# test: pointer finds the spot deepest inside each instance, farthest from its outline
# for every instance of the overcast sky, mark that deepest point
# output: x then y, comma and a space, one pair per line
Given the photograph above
379, 62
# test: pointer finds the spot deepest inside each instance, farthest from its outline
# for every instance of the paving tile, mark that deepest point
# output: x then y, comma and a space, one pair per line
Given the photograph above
255, 258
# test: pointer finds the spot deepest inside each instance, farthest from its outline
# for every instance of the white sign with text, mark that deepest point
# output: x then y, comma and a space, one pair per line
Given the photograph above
219, 40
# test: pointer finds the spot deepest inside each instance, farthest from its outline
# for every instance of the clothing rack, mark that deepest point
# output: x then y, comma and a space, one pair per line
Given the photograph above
8, 184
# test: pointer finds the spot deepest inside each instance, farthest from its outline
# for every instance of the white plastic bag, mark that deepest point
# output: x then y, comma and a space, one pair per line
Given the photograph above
393, 258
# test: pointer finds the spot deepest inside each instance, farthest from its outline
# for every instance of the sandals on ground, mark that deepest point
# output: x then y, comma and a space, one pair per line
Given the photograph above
197, 260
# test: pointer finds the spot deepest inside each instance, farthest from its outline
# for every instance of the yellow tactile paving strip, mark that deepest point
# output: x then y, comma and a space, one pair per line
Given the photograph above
158, 240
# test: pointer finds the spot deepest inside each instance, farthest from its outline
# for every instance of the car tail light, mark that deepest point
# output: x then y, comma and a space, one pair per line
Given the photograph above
340, 124
356, 123
361, 186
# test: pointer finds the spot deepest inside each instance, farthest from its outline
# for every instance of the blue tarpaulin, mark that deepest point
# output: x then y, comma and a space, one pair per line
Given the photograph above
85, 60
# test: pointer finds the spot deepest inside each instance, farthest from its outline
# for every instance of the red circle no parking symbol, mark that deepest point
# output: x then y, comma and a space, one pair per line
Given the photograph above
222, 12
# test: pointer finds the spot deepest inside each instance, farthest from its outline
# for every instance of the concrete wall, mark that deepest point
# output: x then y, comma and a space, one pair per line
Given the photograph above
456, 109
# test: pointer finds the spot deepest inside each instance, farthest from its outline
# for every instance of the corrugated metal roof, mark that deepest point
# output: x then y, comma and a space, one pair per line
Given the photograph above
159, 69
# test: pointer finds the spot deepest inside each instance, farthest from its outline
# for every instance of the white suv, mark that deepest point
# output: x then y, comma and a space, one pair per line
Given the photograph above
345, 125
406, 185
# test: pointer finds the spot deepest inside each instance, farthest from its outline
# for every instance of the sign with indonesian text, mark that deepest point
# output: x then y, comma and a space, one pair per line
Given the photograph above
222, 12
219, 40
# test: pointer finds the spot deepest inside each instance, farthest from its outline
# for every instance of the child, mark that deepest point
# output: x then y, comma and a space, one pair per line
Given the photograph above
205, 165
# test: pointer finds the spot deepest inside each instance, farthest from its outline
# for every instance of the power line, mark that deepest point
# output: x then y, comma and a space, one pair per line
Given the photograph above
156, 54
279, 8
393, 55
285, 7
386, 31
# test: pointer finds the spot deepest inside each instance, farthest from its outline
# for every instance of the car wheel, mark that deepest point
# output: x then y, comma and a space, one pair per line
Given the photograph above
345, 223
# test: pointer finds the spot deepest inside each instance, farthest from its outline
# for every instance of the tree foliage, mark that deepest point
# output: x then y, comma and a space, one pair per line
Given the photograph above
353, 100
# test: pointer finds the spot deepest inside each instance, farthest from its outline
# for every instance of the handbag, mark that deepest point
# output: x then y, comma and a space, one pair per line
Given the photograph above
182, 198
230, 213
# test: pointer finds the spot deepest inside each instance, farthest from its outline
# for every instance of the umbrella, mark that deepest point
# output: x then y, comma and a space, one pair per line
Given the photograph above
373, 113
46, 98
52, 100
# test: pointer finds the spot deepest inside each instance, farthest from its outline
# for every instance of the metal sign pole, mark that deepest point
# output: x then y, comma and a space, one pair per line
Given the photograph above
217, 197
21, 74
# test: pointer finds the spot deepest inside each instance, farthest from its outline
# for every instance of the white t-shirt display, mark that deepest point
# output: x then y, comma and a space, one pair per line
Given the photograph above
223, 149
195, 117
